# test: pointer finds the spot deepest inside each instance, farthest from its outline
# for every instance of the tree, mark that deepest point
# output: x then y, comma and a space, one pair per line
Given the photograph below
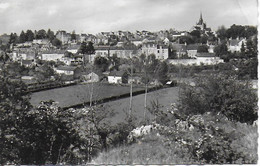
242, 48
13, 39
4, 57
73, 36
221, 32
186, 39
161, 72
251, 48
22, 37
46, 134
250, 31
195, 33
101, 63
41, 34
87, 49
202, 48
29, 35
13, 108
219, 93
50, 35
222, 51
235, 31
56, 42
115, 62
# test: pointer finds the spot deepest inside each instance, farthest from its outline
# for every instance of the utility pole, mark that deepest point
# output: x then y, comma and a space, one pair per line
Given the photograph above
131, 88
146, 87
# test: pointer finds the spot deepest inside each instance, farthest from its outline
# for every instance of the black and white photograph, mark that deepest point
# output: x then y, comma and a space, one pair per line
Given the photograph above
129, 82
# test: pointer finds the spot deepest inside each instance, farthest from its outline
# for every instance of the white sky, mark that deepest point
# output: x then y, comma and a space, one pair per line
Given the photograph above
94, 16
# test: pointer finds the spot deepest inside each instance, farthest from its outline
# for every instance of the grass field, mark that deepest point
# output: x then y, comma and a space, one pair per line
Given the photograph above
77, 94
120, 107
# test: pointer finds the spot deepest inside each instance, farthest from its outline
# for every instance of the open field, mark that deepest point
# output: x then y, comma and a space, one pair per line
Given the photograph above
120, 107
77, 94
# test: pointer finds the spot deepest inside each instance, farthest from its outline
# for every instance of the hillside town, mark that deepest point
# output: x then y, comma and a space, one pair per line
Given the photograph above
120, 97
68, 53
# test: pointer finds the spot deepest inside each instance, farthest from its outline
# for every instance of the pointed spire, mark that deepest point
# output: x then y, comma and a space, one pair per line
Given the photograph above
201, 19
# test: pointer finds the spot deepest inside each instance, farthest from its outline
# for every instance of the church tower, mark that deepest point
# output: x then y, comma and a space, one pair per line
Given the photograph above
200, 20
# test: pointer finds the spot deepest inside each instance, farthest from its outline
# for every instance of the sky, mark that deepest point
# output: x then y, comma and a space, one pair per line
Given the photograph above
94, 16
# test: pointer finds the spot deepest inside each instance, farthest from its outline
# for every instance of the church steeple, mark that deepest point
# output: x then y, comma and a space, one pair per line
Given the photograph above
201, 19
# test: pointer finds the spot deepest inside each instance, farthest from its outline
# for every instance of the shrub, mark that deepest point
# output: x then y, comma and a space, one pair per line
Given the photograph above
220, 93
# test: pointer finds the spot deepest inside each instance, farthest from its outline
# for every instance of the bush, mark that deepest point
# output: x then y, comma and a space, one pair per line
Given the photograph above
220, 93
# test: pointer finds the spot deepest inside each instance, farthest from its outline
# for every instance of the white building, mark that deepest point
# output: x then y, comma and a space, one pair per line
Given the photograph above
201, 58
117, 77
67, 70
235, 45
161, 52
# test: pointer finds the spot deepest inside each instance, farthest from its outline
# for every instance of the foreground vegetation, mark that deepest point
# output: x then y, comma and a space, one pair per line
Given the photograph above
212, 124
213, 140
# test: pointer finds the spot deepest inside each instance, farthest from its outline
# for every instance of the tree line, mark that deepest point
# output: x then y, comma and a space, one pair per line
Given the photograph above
29, 35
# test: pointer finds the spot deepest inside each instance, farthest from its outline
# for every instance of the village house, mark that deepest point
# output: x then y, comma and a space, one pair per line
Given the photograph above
73, 60
41, 41
192, 50
73, 48
160, 51
27, 63
121, 52
135, 79
201, 58
180, 49
23, 54
67, 70
91, 77
117, 77
208, 58
235, 45
63, 36
55, 55
136, 42
102, 51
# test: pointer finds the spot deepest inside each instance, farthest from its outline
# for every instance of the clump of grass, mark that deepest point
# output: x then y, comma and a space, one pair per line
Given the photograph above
153, 149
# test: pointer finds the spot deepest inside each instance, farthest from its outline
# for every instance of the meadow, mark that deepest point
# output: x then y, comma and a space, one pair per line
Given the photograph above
78, 94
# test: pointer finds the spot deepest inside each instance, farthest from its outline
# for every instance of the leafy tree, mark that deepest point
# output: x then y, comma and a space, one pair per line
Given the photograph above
250, 31
235, 31
13, 39
53, 136
73, 36
221, 32
13, 108
50, 35
101, 63
87, 49
4, 57
115, 61
251, 50
202, 48
56, 42
186, 39
242, 48
221, 50
161, 72
29, 35
46, 134
41, 34
22, 37
220, 93
195, 33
